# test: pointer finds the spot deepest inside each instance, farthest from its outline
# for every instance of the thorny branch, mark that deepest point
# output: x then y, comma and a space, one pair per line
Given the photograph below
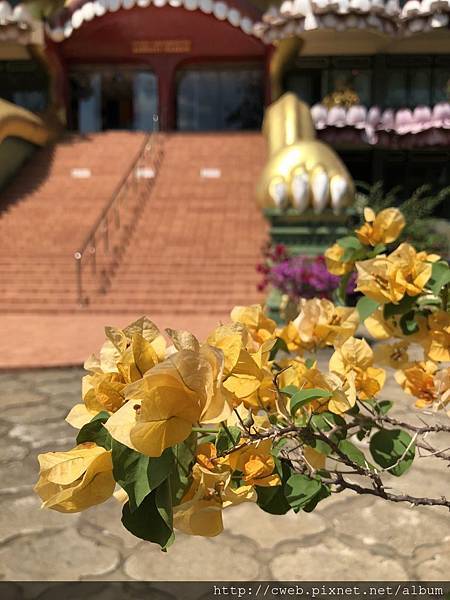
336, 478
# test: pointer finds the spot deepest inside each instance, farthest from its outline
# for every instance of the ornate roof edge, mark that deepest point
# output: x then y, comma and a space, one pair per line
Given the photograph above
17, 24
371, 121
294, 17
350, 137
62, 25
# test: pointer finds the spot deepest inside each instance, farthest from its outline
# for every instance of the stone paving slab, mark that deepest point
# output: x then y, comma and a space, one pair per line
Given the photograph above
347, 538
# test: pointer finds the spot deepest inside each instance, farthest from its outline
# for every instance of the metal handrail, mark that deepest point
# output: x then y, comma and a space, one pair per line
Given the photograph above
149, 152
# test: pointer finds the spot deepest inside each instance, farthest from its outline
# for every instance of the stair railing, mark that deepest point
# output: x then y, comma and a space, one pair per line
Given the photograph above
105, 243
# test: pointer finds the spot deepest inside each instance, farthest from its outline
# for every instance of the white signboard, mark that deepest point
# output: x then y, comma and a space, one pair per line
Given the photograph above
209, 173
144, 173
80, 173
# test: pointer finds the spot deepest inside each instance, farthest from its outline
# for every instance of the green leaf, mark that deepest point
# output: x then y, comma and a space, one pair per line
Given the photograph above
184, 455
272, 500
95, 432
290, 390
389, 446
137, 474
353, 453
353, 248
404, 306
227, 439
440, 276
280, 344
353, 411
277, 447
366, 307
324, 492
350, 241
383, 407
153, 519
300, 490
408, 323
378, 249
303, 397
309, 362
326, 421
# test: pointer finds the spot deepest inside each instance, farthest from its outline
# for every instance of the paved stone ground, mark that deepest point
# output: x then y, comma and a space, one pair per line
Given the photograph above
347, 538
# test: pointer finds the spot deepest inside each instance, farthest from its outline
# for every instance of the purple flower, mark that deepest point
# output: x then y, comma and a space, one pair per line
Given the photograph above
301, 276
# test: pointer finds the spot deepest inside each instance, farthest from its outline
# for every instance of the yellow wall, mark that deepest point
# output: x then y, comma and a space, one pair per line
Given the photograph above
12, 51
332, 43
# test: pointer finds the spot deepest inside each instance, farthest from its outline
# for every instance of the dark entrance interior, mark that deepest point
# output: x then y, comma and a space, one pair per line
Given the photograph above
110, 97
117, 101
220, 97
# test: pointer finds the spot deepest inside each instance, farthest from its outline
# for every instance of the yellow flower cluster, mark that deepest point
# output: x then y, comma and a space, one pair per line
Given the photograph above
402, 276
155, 394
228, 398
387, 279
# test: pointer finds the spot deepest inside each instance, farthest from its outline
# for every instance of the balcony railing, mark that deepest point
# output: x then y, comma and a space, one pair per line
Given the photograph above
99, 256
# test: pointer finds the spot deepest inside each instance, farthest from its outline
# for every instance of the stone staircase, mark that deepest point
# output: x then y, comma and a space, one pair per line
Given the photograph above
194, 248
46, 213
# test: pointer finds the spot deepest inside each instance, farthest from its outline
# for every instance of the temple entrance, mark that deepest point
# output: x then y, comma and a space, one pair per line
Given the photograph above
217, 98
105, 98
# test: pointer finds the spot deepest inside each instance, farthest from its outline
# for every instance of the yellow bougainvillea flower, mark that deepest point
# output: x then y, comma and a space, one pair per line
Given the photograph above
334, 262
437, 343
231, 340
383, 228
117, 343
315, 459
100, 392
256, 464
384, 329
415, 267
125, 357
256, 419
295, 372
381, 328
393, 355
251, 381
75, 480
291, 337
442, 384
260, 327
418, 380
380, 279
320, 323
200, 510
247, 376
162, 407
389, 278
356, 356
206, 456
342, 388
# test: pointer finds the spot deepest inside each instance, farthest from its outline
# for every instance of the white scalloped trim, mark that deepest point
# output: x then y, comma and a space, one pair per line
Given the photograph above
385, 16
91, 10
17, 24
371, 120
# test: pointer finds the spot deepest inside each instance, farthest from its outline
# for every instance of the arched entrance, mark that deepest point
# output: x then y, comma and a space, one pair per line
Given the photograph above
128, 66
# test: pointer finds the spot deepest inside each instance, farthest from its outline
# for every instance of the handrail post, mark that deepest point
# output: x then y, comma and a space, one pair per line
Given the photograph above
93, 252
78, 256
106, 234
